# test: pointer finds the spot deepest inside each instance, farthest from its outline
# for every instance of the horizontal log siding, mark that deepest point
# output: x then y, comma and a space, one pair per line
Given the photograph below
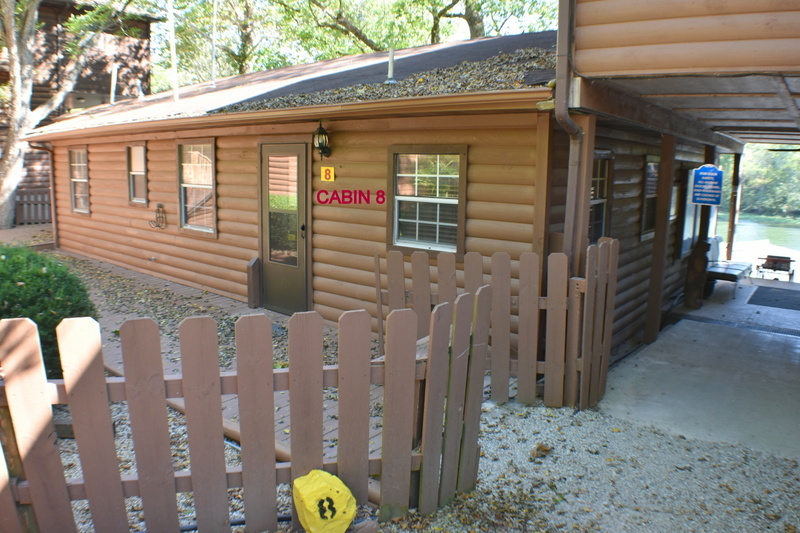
631, 37
630, 150
119, 233
500, 202
500, 199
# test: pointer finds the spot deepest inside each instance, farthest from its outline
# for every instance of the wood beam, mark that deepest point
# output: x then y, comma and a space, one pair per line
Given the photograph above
736, 191
666, 170
602, 98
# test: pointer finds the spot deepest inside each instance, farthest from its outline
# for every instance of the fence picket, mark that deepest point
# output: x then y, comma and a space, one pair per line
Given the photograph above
435, 393
84, 379
574, 324
305, 394
608, 312
446, 267
468, 466
396, 280
590, 297
201, 393
354, 402
528, 341
421, 289
257, 420
501, 326
597, 329
144, 390
473, 271
454, 415
29, 403
555, 343
398, 416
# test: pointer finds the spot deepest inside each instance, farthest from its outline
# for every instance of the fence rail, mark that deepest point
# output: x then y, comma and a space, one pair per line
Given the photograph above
445, 455
32, 206
556, 338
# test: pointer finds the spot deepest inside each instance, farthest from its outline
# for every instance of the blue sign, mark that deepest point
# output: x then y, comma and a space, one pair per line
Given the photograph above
707, 185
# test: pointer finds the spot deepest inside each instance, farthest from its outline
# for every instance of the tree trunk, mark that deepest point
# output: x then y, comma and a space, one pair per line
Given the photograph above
474, 18
11, 168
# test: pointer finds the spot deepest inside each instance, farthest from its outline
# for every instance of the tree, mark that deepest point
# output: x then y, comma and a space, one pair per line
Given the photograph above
21, 41
245, 33
263, 34
771, 180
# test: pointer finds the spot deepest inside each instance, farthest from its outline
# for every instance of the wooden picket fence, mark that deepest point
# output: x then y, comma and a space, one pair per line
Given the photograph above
32, 206
556, 338
429, 467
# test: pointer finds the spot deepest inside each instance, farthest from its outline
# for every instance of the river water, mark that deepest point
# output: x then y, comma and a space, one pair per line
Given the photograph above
755, 240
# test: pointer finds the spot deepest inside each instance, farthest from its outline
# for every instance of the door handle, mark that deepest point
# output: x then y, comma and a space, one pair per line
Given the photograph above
302, 231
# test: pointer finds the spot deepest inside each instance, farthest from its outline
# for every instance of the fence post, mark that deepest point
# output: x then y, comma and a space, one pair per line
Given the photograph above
29, 403
12, 513
555, 344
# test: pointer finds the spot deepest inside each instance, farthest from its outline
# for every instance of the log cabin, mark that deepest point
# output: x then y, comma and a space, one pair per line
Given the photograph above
595, 134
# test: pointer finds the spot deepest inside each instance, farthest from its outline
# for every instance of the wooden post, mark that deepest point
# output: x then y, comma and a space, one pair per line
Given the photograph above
660, 242
254, 291
576, 221
11, 466
736, 190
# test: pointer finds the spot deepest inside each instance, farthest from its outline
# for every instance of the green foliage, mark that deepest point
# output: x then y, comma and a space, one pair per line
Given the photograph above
770, 180
254, 35
37, 286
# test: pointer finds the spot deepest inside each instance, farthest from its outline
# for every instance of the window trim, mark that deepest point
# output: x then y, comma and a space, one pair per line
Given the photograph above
84, 149
133, 200
200, 231
456, 149
603, 155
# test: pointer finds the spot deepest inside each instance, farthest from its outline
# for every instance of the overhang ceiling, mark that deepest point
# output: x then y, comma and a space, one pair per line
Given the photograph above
753, 108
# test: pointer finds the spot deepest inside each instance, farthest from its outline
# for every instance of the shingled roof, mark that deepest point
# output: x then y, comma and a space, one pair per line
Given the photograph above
479, 65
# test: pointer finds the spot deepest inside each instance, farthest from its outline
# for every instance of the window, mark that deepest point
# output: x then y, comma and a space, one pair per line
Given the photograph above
598, 201
79, 179
427, 204
137, 174
197, 190
649, 197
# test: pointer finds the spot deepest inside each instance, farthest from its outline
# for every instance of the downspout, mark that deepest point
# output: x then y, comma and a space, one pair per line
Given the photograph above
576, 134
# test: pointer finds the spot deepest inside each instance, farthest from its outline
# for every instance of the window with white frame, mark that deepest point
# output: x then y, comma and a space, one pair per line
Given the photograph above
428, 197
79, 179
197, 185
137, 174
599, 195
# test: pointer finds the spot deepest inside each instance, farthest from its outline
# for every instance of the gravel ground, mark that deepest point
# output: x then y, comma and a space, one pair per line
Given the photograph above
553, 470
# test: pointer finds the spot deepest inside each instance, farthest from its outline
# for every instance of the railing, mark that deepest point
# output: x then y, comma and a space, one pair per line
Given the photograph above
32, 206
556, 339
430, 466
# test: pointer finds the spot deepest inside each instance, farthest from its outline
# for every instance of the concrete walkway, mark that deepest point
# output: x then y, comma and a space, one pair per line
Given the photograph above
721, 374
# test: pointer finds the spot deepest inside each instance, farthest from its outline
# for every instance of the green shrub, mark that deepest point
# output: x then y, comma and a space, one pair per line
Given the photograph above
37, 286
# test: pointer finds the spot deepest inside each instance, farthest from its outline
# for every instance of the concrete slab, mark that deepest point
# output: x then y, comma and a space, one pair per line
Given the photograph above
714, 383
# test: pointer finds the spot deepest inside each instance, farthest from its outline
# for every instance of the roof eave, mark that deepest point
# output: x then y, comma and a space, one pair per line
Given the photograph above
483, 102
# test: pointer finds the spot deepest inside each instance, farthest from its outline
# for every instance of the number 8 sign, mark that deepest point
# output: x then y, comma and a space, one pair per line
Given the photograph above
323, 502
328, 174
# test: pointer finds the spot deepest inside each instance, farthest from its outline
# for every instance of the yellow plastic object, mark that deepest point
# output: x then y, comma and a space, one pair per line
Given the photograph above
323, 502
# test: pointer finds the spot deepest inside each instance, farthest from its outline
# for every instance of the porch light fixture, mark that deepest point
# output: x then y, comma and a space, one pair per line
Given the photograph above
321, 142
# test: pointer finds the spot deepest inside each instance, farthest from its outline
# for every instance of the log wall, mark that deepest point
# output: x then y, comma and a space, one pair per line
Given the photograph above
630, 150
501, 199
631, 37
